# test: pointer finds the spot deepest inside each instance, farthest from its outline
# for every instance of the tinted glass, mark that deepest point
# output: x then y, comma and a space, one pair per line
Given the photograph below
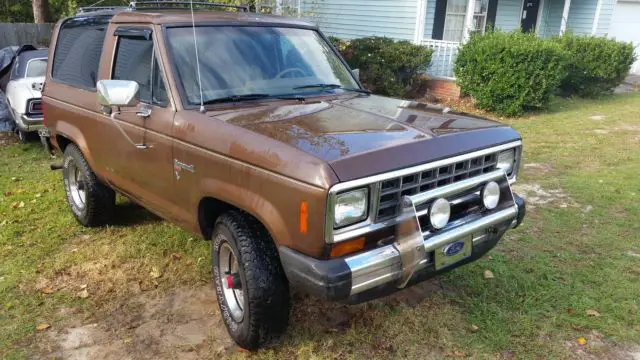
248, 60
134, 59
78, 51
36, 67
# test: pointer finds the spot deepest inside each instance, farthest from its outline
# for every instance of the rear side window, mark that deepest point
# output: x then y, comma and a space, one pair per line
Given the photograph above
78, 49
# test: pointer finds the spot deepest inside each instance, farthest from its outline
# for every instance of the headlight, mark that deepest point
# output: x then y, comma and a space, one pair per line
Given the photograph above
507, 161
351, 207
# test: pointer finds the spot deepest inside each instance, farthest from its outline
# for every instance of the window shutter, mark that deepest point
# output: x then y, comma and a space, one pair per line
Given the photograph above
438, 22
491, 15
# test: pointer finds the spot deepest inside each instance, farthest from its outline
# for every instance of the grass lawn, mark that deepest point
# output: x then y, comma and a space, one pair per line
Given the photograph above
139, 288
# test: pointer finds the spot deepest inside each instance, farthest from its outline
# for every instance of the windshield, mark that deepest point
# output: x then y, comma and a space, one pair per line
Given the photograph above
36, 67
240, 60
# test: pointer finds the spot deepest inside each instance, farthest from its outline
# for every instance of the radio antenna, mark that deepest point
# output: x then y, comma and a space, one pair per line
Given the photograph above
195, 44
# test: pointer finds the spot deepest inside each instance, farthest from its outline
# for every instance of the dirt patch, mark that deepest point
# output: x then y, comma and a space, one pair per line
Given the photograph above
597, 117
7, 138
599, 348
538, 168
183, 324
601, 131
536, 195
627, 128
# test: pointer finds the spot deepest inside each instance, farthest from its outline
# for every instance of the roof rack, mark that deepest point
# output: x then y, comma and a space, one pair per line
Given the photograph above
170, 5
90, 9
159, 5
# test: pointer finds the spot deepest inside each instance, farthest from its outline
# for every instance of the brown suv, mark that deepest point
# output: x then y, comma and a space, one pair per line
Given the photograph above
252, 131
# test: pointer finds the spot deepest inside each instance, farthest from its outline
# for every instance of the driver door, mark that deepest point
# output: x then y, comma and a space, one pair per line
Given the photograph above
141, 150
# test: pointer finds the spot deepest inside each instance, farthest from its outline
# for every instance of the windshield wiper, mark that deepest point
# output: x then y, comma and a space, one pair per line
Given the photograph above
331, 87
249, 97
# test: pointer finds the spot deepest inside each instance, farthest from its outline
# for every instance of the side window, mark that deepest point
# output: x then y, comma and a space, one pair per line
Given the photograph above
78, 50
135, 60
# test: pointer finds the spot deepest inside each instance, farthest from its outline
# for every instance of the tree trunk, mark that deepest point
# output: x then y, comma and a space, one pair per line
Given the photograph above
40, 11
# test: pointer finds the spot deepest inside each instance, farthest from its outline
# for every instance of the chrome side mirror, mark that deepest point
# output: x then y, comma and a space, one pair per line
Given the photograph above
118, 93
356, 73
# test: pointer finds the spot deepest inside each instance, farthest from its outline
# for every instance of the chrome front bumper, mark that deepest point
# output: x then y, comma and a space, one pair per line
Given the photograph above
28, 124
412, 249
411, 256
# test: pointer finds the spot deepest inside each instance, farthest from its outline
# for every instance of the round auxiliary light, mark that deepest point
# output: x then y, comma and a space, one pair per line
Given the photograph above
439, 213
491, 195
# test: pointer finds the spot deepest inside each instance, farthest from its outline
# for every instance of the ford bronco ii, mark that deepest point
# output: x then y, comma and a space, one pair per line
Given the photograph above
253, 132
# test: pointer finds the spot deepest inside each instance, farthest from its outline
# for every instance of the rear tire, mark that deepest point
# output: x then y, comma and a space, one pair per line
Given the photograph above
91, 201
22, 136
257, 314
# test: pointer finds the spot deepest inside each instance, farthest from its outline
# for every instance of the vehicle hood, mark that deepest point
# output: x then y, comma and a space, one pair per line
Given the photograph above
363, 136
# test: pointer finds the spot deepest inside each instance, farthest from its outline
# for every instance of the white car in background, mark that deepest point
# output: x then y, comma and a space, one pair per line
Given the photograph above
23, 91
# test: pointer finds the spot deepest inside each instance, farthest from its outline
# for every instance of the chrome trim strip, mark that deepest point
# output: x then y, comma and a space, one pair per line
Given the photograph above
460, 186
333, 236
382, 265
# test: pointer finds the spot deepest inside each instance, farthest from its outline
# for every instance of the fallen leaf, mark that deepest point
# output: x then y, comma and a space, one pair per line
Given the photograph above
83, 294
34, 201
21, 205
570, 310
42, 327
15, 179
83, 286
458, 353
47, 290
8, 193
14, 205
74, 250
127, 340
4, 222
176, 256
475, 327
155, 273
490, 257
488, 274
582, 341
19, 191
38, 195
592, 312
85, 237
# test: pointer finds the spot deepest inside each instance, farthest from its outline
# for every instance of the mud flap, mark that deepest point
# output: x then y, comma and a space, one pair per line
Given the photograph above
409, 241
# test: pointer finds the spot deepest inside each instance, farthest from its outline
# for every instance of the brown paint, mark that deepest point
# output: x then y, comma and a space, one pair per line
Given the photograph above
266, 158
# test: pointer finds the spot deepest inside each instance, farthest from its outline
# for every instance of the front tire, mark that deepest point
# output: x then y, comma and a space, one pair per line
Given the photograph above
252, 289
91, 201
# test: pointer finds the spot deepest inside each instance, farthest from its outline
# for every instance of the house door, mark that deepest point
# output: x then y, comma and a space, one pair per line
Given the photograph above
529, 15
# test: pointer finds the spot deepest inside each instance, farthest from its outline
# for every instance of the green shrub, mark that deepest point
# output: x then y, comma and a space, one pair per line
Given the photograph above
596, 66
387, 67
508, 73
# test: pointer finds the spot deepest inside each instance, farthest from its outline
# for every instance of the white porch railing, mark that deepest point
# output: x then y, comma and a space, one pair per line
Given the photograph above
444, 57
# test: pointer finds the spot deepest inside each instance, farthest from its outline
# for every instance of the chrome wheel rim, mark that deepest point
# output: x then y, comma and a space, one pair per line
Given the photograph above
233, 296
77, 185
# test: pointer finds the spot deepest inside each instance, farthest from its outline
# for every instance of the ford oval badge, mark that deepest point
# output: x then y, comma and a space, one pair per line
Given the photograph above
453, 249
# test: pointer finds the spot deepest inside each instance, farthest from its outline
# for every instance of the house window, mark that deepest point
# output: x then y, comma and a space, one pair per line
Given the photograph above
454, 20
480, 16
451, 19
279, 7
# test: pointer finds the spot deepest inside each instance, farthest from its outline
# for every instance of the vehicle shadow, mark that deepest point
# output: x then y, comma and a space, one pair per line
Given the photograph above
128, 213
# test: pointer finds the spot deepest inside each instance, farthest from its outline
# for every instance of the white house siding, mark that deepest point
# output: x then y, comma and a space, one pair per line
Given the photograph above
349, 19
429, 18
581, 16
551, 18
625, 26
606, 14
508, 15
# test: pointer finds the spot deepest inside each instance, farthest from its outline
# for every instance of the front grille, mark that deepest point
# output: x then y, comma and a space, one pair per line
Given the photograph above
392, 190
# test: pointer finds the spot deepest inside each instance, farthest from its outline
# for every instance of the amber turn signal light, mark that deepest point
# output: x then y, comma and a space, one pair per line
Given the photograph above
304, 217
347, 247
